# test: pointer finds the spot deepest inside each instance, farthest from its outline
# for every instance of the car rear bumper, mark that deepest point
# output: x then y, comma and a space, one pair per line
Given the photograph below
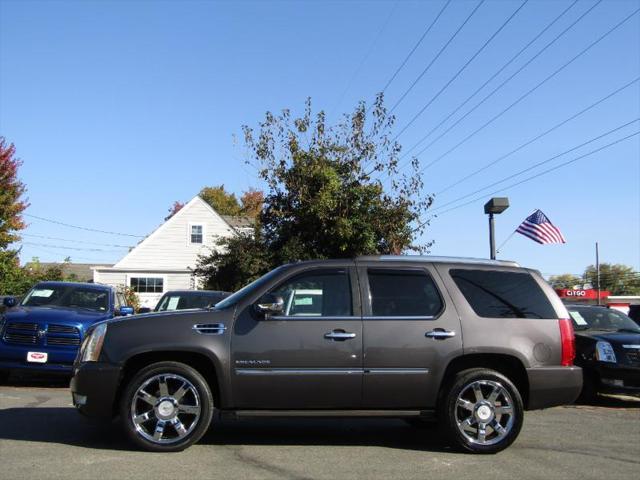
553, 386
93, 388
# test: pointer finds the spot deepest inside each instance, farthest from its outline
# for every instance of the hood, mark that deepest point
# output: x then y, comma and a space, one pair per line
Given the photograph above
211, 315
67, 316
615, 338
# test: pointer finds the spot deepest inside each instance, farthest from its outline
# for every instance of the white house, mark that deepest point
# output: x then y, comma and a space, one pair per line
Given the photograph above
165, 259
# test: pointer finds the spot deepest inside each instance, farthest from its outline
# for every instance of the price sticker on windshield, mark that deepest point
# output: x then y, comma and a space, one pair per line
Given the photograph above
579, 319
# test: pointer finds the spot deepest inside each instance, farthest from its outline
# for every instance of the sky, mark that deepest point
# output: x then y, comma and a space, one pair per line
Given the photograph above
119, 108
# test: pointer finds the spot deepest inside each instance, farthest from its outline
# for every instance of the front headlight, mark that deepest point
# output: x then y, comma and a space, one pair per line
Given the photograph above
92, 346
605, 353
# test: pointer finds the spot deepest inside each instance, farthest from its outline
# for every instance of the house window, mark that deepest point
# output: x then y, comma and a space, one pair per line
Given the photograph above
196, 233
147, 284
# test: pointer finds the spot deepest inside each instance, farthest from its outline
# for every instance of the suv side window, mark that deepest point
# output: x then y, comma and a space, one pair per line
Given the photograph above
403, 293
503, 294
319, 293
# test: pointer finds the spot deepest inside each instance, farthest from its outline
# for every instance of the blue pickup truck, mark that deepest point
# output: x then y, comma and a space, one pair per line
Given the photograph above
43, 333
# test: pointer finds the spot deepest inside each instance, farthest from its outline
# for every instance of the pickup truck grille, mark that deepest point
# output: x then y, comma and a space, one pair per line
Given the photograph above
18, 333
20, 338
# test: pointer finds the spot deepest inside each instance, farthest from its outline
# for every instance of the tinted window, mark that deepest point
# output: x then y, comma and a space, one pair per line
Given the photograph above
184, 301
405, 293
498, 294
319, 293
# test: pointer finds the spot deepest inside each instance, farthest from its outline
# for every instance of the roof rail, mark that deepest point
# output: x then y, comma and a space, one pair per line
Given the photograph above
437, 259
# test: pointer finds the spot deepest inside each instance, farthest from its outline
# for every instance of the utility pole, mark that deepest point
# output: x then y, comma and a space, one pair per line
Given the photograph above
598, 272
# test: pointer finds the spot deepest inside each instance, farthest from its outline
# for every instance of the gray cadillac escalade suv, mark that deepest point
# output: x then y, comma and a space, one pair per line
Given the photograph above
470, 343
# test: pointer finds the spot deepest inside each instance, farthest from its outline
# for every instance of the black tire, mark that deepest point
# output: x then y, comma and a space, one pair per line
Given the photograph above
4, 376
188, 428
589, 393
460, 391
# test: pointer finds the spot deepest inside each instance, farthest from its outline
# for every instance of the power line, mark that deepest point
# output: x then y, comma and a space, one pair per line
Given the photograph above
444, 47
555, 127
529, 92
73, 240
536, 165
544, 172
81, 228
415, 47
542, 32
457, 74
366, 56
63, 247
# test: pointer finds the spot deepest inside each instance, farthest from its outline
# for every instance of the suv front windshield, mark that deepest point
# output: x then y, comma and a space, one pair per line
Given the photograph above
69, 296
233, 299
601, 318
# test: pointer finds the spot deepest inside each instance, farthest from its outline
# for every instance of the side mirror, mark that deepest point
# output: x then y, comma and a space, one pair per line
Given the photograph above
270, 304
144, 310
124, 311
9, 302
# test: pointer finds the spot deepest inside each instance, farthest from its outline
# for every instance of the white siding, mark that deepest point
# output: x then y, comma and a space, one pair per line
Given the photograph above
169, 246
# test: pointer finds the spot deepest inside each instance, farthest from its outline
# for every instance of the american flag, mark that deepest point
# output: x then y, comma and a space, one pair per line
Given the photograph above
540, 229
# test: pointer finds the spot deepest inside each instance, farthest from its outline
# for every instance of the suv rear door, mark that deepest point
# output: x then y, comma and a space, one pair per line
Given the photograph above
411, 331
309, 356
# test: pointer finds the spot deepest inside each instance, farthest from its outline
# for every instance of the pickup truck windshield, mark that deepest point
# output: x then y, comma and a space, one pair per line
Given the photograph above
69, 296
233, 299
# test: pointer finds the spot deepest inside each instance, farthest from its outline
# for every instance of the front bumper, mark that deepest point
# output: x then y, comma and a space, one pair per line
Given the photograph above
553, 386
615, 378
14, 358
93, 388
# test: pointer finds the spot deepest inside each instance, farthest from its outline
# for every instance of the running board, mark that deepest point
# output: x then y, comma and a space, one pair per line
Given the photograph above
426, 414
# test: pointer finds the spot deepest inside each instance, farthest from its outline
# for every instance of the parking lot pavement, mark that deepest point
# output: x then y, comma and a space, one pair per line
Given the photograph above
41, 436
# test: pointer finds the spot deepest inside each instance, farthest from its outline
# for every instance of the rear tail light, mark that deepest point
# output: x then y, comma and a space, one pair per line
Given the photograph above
568, 341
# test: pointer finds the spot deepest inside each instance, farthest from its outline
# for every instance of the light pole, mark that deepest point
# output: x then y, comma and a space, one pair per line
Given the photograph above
496, 205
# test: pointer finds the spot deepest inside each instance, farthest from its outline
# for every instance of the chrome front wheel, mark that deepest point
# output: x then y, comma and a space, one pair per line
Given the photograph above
167, 407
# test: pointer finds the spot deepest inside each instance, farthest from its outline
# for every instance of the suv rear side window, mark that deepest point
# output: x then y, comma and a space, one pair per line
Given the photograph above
403, 293
500, 294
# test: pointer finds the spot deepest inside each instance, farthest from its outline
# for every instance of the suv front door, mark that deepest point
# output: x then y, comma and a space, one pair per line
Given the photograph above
308, 356
411, 330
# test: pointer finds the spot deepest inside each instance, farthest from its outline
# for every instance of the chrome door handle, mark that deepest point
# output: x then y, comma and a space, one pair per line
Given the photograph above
440, 334
339, 335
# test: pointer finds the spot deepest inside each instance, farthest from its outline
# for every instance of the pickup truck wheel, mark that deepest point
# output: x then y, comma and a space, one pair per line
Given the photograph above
482, 411
166, 407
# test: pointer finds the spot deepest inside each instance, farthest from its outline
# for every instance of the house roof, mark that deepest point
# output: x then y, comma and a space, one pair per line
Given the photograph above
238, 221
79, 271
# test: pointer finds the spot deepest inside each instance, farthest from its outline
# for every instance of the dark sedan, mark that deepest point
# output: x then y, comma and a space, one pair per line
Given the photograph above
607, 349
187, 300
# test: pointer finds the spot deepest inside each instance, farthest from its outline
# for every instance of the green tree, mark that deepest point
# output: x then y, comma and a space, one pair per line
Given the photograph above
223, 202
566, 280
12, 205
616, 278
332, 192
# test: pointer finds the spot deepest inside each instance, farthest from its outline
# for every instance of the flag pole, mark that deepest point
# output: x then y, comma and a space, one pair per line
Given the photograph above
502, 244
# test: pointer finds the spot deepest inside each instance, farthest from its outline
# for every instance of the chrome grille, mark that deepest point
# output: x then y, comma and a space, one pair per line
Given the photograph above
20, 338
633, 356
63, 335
32, 327
62, 329
63, 341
